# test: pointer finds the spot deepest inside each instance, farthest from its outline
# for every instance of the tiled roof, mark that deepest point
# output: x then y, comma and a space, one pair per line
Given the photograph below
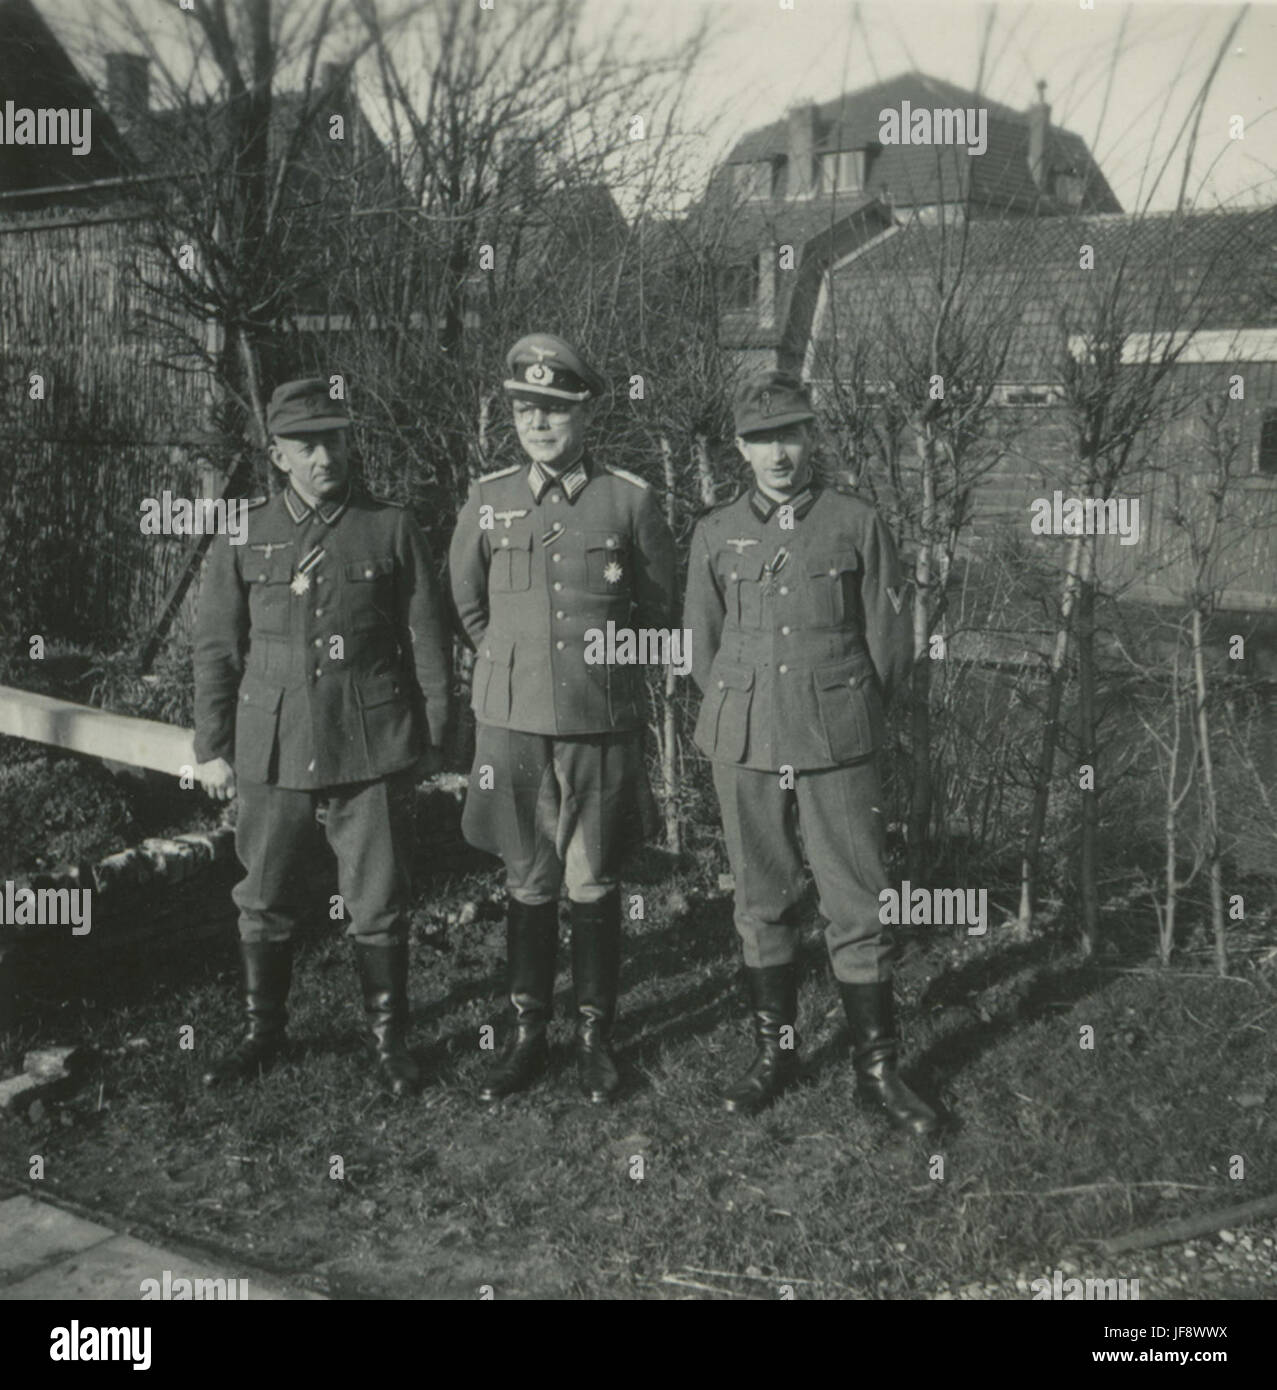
924, 175
1200, 270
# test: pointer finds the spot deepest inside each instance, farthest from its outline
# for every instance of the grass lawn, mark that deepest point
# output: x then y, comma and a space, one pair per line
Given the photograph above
663, 1195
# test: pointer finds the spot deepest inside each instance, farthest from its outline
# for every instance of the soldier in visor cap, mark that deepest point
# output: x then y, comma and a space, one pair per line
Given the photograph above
801, 633
321, 687
544, 551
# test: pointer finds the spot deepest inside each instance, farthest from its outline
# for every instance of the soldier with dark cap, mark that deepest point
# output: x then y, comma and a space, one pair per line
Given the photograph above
543, 552
800, 635
321, 687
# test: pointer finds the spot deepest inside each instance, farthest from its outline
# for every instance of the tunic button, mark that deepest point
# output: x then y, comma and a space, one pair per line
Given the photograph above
557, 558
554, 497
559, 613
784, 589
505, 540
784, 632
851, 681
487, 651
261, 579
319, 641
368, 573
559, 645
720, 685
557, 586
783, 669
319, 612
319, 579
318, 673
735, 575
832, 572
611, 542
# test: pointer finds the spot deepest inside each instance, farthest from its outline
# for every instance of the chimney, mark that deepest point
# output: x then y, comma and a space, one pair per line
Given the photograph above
1039, 124
800, 121
334, 78
128, 86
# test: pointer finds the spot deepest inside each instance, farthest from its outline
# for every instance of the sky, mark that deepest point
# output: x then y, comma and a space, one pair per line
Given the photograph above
1124, 77
768, 58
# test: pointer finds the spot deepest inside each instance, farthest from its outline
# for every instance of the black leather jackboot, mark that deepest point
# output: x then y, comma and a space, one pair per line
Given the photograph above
268, 972
870, 1012
532, 940
383, 977
596, 973
773, 994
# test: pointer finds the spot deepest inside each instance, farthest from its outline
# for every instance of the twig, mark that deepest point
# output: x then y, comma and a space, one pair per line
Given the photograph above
705, 1288
1075, 1191
1193, 1226
1171, 974
771, 1278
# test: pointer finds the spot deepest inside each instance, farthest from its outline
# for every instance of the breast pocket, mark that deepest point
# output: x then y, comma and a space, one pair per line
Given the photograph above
741, 577
832, 588
607, 563
369, 593
511, 568
850, 708
268, 592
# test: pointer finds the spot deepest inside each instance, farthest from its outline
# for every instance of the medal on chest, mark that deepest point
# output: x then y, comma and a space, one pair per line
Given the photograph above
772, 568
305, 567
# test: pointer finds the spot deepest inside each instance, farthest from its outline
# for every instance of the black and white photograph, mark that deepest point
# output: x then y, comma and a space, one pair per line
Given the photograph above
638, 653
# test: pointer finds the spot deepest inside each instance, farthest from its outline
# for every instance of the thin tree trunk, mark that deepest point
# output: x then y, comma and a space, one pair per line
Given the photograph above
1032, 853
704, 472
1166, 919
920, 714
1088, 854
669, 732
1213, 860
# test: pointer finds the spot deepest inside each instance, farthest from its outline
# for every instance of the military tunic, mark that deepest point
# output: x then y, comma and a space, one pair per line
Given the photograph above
801, 632
321, 669
537, 561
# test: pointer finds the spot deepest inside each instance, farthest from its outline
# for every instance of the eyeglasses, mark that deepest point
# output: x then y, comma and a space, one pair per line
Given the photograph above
525, 410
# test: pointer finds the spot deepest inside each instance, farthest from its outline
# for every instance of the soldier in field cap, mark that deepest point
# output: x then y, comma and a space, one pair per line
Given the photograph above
544, 551
801, 633
321, 688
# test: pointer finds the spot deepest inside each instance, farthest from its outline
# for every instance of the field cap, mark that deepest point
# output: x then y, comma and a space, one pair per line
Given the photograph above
770, 399
304, 407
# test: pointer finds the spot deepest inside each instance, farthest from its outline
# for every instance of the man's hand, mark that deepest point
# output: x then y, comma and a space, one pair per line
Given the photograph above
430, 764
217, 777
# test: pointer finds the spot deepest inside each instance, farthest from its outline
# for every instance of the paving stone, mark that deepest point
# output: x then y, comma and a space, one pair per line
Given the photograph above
116, 1268
33, 1234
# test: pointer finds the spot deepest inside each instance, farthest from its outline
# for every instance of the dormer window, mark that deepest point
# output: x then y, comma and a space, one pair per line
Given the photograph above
842, 172
760, 180
1068, 190
738, 287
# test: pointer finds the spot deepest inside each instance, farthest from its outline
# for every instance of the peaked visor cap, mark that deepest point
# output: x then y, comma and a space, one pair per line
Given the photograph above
304, 407
770, 399
543, 367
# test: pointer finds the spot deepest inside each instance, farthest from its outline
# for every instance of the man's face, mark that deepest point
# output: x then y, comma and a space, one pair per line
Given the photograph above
318, 464
778, 457
552, 432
